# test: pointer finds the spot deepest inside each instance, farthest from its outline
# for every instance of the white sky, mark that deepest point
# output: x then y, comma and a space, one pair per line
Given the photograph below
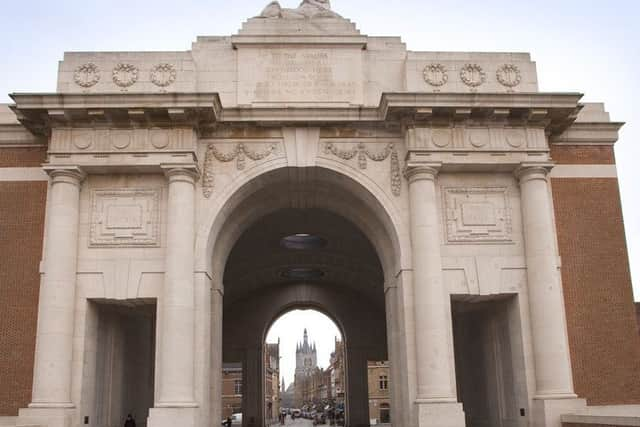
290, 328
587, 46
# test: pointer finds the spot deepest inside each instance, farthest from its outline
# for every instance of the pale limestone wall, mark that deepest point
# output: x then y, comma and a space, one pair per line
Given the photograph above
268, 63
483, 250
459, 222
454, 64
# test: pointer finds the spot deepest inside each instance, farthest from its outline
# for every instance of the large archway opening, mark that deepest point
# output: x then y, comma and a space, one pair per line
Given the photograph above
305, 369
307, 240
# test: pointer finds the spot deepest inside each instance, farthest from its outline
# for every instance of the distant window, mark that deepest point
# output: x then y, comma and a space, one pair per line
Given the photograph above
385, 413
238, 387
383, 382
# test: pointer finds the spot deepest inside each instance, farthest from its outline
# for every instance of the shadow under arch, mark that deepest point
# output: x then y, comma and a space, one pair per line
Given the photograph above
339, 189
362, 327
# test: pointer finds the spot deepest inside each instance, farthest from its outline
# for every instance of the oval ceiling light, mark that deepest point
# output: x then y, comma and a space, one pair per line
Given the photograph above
303, 241
303, 273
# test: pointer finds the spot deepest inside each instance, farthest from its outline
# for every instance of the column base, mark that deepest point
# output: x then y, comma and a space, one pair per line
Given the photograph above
440, 414
45, 417
548, 411
172, 417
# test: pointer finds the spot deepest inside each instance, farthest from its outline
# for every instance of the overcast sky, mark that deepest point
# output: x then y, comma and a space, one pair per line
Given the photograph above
290, 329
582, 46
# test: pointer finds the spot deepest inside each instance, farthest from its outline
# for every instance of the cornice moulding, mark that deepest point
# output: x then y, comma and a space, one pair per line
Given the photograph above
41, 112
589, 133
16, 135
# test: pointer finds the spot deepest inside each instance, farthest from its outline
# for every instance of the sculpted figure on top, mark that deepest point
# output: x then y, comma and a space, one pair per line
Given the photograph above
307, 9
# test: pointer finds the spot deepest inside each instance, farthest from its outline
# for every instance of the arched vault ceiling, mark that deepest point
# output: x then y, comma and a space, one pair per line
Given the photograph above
258, 258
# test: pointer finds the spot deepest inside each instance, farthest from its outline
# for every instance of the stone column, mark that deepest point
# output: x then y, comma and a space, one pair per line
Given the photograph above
253, 387
357, 383
54, 343
175, 389
436, 389
546, 303
56, 308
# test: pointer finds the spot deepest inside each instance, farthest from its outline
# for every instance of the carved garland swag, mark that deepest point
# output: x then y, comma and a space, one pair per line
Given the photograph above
363, 153
240, 153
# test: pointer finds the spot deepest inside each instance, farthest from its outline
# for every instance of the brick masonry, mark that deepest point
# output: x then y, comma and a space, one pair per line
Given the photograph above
22, 157
601, 318
583, 155
22, 207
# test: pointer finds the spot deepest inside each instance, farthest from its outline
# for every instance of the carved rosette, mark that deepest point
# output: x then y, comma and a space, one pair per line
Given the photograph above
473, 75
87, 75
509, 75
364, 154
435, 75
239, 153
125, 75
163, 75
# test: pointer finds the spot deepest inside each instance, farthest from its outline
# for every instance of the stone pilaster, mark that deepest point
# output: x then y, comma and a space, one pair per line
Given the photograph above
51, 399
436, 389
553, 378
175, 398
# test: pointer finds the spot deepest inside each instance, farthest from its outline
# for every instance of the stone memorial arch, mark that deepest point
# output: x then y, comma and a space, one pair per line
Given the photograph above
470, 225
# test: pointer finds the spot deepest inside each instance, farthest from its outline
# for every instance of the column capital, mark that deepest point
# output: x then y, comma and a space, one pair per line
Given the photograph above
530, 171
69, 174
181, 172
421, 171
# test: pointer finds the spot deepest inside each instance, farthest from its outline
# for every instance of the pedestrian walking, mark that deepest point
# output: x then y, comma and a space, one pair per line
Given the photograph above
130, 421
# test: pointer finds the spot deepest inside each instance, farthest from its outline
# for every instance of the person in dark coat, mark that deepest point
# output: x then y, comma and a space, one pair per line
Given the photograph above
130, 422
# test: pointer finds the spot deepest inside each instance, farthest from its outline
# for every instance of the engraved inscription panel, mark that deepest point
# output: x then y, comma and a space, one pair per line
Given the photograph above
477, 215
125, 218
300, 75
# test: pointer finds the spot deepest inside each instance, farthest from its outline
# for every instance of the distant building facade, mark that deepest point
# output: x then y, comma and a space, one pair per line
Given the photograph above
232, 384
306, 366
272, 380
379, 381
231, 389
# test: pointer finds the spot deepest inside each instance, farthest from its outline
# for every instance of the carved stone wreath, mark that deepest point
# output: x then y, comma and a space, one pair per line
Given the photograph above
87, 75
239, 153
509, 75
473, 75
364, 153
125, 75
435, 75
163, 75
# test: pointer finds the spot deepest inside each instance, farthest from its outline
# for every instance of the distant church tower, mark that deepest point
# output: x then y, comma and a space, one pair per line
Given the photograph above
306, 363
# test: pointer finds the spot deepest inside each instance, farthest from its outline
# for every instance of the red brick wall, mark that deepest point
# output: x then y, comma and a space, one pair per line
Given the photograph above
583, 155
22, 157
22, 206
601, 318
